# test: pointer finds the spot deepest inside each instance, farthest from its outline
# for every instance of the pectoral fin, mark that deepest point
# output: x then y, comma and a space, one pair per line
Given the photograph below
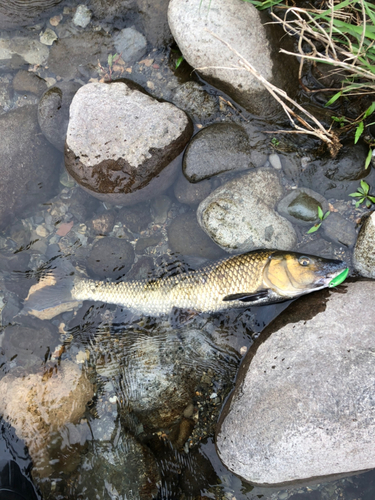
246, 297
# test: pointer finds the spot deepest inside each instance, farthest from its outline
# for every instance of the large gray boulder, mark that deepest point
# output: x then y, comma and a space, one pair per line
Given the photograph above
121, 143
239, 216
195, 22
304, 402
364, 251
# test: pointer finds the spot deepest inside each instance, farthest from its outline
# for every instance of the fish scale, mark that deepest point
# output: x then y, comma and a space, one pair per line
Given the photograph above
202, 290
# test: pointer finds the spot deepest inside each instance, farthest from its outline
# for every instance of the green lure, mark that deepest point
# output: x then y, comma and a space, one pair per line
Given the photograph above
339, 279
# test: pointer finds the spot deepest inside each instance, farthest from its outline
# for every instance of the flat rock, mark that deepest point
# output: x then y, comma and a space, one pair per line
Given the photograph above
364, 250
121, 143
339, 230
303, 406
17, 51
28, 163
239, 216
218, 148
25, 81
194, 24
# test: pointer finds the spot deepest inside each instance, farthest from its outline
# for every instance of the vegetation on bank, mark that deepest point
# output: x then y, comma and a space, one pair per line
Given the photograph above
340, 34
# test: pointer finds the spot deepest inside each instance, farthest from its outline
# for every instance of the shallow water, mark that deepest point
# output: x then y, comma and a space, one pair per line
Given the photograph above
157, 391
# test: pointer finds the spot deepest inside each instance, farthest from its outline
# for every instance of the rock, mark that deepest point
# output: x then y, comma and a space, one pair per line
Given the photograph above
195, 101
27, 164
29, 345
155, 21
79, 54
160, 206
339, 230
110, 258
121, 143
239, 216
364, 251
130, 44
187, 238
48, 37
194, 24
22, 12
218, 148
25, 81
109, 10
300, 206
338, 177
302, 407
191, 193
135, 218
144, 243
53, 112
275, 161
16, 52
99, 471
82, 16
39, 404
102, 224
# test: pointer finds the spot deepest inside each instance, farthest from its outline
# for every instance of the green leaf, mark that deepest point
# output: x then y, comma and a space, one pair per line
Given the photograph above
320, 213
368, 203
369, 110
368, 158
314, 228
326, 215
360, 190
372, 198
365, 186
333, 99
179, 61
358, 132
356, 195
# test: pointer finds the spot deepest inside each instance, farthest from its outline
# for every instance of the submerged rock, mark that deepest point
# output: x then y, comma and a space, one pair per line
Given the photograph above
111, 258
53, 112
194, 24
39, 404
121, 143
192, 98
300, 206
239, 216
339, 230
130, 44
110, 469
218, 148
28, 163
79, 54
191, 193
25, 81
23, 12
338, 177
303, 405
364, 251
186, 237
18, 51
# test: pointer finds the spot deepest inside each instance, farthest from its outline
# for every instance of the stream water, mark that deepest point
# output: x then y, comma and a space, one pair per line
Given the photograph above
101, 404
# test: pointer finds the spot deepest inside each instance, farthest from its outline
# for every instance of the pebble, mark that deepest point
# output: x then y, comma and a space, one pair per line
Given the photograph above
41, 231
82, 17
55, 20
48, 37
275, 161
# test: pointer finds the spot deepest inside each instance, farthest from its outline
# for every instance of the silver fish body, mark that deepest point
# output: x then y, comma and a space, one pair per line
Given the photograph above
254, 278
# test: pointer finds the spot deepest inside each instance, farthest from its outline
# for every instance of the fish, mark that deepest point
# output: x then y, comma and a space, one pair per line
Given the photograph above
255, 278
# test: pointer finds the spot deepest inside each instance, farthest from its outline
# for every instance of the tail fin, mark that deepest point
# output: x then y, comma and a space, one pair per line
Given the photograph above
51, 296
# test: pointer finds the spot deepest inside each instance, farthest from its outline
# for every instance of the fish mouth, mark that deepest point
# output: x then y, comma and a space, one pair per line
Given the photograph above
325, 280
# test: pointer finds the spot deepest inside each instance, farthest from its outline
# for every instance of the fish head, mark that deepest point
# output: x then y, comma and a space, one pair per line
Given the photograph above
292, 274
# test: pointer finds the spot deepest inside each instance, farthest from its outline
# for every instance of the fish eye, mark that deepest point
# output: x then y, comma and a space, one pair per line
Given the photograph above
304, 261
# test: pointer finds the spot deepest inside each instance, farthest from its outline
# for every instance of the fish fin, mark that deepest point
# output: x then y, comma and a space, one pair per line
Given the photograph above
181, 317
246, 297
50, 296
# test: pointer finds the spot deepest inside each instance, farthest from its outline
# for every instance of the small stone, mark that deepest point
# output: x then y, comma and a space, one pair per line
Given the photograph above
25, 81
55, 20
339, 230
110, 258
275, 161
151, 85
82, 17
191, 193
301, 206
48, 37
64, 228
159, 208
103, 224
41, 231
130, 44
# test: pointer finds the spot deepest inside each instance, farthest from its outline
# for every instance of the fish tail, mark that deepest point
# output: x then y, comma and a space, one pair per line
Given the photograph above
51, 296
